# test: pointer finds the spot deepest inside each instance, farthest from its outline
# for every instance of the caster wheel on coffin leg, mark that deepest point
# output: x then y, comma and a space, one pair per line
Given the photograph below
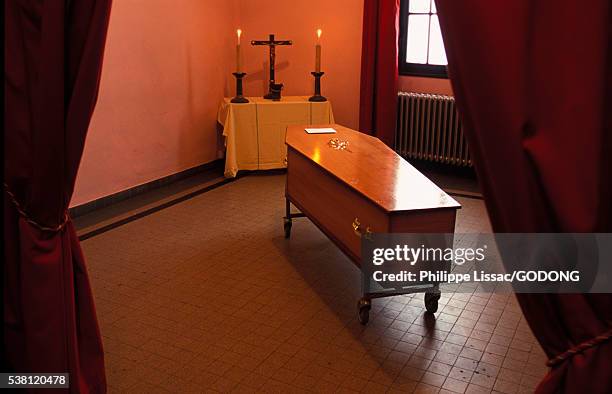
363, 308
287, 226
431, 302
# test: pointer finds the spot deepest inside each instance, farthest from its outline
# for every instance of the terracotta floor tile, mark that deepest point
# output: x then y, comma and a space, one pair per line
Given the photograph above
454, 385
505, 386
424, 388
466, 363
192, 298
433, 379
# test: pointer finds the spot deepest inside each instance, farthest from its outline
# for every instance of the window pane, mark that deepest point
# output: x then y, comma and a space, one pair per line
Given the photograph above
433, 7
437, 54
418, 34
418, 6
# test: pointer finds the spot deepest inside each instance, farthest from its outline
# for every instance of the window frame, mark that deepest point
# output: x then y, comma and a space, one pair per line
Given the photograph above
414, 69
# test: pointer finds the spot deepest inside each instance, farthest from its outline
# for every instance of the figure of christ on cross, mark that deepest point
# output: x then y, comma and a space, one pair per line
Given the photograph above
274, 88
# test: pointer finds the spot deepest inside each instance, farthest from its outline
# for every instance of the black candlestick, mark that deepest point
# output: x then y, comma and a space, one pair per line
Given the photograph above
239, 97
317, 93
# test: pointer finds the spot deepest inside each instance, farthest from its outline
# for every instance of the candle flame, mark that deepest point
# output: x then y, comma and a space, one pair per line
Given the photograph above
238, 33
319, 31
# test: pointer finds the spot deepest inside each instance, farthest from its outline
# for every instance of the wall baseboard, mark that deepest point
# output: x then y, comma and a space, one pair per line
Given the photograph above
213, 167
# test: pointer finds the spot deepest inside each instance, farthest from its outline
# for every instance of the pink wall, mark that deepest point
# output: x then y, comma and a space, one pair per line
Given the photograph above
168, 65
425, 85
164, 74
341, 22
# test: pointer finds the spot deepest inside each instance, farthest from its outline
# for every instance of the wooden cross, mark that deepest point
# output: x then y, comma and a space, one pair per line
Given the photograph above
274, 88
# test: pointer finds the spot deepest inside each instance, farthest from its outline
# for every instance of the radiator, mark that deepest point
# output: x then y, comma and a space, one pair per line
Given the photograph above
428, 128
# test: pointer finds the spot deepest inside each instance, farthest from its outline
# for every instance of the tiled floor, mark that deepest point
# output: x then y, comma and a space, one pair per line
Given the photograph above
207, 295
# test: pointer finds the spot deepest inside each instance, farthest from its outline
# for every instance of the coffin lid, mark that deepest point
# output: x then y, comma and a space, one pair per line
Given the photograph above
370, 168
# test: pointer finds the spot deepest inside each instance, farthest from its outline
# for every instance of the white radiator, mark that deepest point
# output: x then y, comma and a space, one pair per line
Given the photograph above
428, 128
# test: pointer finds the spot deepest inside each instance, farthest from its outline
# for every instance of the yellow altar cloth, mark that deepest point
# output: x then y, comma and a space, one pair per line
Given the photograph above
255, 132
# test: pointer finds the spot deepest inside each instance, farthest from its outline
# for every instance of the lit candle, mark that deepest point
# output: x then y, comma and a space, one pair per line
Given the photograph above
318, 52
238, 60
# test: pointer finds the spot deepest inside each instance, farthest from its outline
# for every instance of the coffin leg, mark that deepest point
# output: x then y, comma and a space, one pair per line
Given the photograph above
363, 309
431, 300
287, 227
287, 219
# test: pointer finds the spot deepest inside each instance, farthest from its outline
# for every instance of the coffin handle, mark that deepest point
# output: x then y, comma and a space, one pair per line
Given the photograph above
357, 228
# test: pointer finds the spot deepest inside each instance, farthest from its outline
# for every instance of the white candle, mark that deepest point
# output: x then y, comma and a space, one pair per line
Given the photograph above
318, 52
238, 60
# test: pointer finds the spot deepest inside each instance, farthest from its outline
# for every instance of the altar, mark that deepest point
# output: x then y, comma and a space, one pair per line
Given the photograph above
254, 132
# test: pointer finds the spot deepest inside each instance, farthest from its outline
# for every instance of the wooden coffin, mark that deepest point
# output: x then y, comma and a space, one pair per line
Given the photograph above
351, 189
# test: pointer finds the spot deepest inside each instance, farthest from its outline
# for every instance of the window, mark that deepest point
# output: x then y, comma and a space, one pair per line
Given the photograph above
421, 50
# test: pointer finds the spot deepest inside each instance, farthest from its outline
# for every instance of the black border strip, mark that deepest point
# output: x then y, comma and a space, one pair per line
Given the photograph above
123, 195
152, 210
466, 195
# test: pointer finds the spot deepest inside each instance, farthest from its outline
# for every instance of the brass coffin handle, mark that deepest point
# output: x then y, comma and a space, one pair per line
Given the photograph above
358, 230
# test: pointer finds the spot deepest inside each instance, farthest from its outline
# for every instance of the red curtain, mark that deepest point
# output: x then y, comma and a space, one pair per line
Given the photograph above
53, 55
378, 100
532, 81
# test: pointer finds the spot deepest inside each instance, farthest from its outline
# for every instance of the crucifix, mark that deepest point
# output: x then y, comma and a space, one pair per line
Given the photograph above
274, 89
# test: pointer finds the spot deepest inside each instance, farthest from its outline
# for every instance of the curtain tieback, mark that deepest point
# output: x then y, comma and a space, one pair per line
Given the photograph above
553, 362
27, 218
